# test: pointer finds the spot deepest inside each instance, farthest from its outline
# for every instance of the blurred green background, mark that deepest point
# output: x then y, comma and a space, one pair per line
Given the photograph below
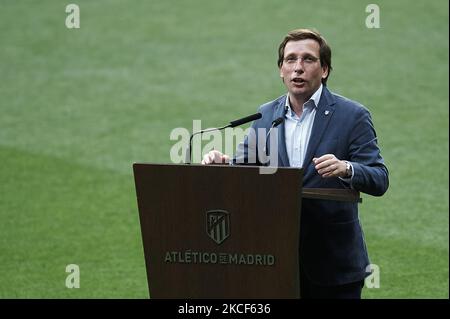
79, 106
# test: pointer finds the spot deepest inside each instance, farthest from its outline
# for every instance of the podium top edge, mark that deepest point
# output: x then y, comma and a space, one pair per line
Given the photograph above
213, 165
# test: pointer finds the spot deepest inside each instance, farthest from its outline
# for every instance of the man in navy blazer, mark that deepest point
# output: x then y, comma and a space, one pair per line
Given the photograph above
334, 140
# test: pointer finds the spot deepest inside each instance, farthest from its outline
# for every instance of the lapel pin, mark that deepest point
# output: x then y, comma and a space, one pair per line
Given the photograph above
327, 112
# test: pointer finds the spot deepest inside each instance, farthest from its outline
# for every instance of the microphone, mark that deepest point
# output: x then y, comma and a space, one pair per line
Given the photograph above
244, 120
275, 123
234, 123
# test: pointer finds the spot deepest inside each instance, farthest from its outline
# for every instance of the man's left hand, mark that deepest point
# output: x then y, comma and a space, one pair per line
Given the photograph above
330, 166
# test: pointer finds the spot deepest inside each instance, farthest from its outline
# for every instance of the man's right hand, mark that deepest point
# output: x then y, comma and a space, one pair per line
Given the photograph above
215, 157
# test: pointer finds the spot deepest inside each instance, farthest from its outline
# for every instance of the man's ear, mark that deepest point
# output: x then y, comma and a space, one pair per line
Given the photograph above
324, 71
281, 74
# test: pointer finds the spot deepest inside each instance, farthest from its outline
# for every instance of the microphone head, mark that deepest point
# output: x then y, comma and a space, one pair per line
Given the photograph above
277, 121
246, 119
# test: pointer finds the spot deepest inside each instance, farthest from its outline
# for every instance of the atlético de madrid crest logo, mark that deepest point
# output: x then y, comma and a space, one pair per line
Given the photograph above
218, 225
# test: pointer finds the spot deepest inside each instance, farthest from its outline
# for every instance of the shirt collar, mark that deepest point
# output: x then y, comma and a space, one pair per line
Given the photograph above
315, 98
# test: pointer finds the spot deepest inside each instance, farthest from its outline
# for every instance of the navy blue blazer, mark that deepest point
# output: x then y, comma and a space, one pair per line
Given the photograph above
332, 246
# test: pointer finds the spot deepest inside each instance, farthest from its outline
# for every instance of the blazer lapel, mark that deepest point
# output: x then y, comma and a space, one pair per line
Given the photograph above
324, 113
282, 153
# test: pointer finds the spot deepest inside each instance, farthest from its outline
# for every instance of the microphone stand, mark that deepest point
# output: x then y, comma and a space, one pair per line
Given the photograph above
235, 123
189, 149
275, 123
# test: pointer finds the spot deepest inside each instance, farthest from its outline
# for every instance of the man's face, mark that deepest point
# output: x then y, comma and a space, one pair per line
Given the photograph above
301, 70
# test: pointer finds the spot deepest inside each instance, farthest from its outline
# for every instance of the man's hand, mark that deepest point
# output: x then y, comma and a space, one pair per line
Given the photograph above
215, 157
330, 166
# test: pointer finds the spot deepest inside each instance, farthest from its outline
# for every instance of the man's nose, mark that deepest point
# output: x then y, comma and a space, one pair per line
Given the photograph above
298, 67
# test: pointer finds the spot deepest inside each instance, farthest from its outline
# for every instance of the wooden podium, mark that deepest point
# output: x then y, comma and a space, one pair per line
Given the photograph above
222, 231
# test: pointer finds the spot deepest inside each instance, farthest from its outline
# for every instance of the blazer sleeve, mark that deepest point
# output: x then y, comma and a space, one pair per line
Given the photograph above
370, 174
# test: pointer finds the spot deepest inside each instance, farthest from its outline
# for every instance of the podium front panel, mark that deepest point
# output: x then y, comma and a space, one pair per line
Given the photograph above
219, 231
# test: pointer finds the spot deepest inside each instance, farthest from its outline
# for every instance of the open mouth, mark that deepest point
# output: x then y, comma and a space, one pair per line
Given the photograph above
298, 80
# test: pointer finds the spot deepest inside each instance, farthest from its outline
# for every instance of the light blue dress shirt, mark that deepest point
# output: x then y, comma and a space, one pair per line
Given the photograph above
298, 129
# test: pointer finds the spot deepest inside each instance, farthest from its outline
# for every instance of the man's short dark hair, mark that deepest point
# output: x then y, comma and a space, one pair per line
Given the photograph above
302, 34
